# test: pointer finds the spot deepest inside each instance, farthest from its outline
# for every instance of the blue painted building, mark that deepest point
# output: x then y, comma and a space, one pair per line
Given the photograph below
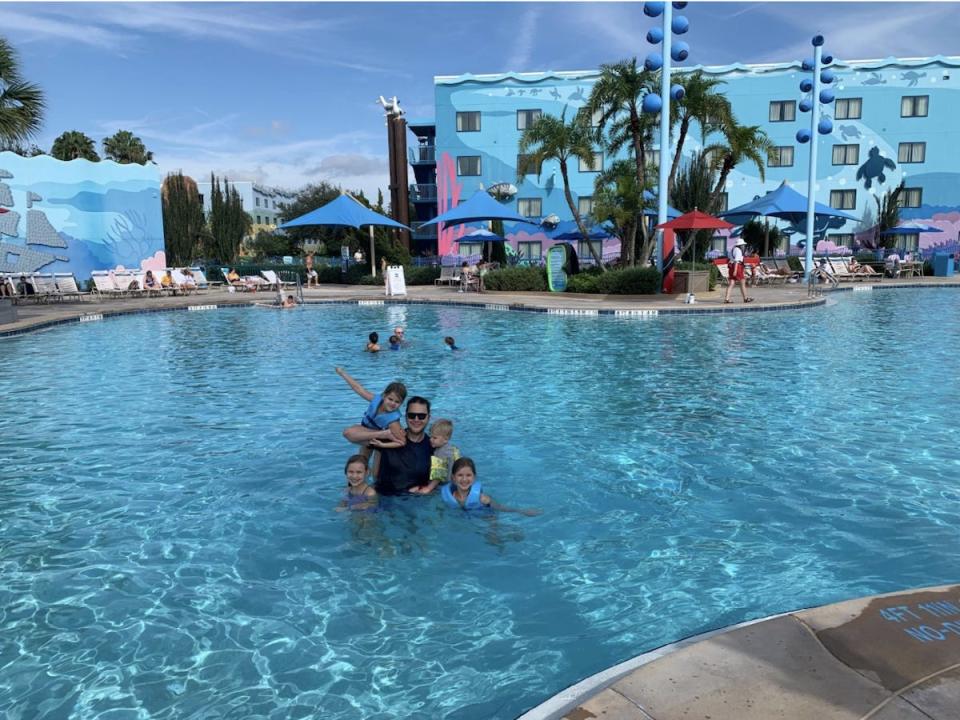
894, 120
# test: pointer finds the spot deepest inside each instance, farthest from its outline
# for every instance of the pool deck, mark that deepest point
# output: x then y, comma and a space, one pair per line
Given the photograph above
32, 316
885, 657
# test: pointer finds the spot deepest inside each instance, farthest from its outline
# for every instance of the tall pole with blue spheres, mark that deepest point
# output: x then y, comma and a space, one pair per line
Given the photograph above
818, 125
653, 102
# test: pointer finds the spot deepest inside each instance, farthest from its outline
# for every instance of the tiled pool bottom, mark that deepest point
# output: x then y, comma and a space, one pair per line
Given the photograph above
169, 544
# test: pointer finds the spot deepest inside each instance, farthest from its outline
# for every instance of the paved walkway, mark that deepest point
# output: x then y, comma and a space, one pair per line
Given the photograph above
886, 657
33, 316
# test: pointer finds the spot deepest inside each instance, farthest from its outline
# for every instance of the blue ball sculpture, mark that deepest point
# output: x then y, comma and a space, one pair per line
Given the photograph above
807, 64
827, 76
680, 51
677, 92
652, 103
826, 59
679, 5
653, 9
653, 62
803, 136
817, 40
680, 25
826, 96
806, 85
825, 126
655, 36
805, 105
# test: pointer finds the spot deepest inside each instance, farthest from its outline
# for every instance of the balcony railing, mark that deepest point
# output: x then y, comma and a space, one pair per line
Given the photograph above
423, 192
423, 154
424, 233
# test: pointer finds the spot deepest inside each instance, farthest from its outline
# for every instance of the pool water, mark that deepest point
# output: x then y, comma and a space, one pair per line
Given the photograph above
169, 548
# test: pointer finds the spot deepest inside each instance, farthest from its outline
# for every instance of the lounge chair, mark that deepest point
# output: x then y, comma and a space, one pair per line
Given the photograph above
201, 279
103, 284
840, 270
181, 282
128, 284
46, 287
449, 275
68, 287
241, 285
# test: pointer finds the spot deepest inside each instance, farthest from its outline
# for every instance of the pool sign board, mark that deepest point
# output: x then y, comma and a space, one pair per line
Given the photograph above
556, 277
395, 283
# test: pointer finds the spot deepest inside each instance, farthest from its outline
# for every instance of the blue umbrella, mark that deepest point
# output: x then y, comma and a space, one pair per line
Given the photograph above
910, 227
785, 203
567, 231
345, 212
481, 235
479, 208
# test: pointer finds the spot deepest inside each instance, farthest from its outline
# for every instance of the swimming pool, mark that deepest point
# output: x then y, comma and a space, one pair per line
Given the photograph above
168, 546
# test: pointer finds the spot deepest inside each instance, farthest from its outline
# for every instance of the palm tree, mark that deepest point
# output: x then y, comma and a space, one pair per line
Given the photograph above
617, 97
701, 103
21, 103
126, 148
553, 138
72, 145
618, 201
741, 142
888, 216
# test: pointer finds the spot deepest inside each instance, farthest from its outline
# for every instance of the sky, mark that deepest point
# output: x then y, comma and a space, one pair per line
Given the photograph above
284, 94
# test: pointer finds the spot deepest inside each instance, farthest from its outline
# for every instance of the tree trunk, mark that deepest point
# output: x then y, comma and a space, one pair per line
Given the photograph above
681, 137
721, 181
576, 214
640, 158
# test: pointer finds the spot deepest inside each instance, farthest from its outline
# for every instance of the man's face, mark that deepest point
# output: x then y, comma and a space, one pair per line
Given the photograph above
417, 417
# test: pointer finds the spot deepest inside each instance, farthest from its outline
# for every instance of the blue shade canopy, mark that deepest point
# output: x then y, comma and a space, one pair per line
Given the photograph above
909, 228
478, 208
481, 235
785, 203
672, 213
346, 212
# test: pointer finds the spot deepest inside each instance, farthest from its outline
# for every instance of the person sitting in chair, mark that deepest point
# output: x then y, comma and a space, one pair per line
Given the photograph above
892, 265
860, 269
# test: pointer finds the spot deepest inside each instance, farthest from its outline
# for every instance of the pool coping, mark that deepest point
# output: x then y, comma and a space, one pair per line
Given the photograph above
850, 659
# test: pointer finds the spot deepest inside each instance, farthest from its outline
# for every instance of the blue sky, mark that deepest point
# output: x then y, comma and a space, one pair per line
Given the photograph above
284, 93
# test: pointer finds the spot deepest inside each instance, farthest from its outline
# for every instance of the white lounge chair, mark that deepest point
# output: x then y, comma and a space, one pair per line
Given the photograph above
103, 284
68, 287
449, 275
181, 281
46, 287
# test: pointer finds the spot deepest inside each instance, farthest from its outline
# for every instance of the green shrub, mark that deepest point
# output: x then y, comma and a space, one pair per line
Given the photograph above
412, 275
583, 283
516, 279
628, 281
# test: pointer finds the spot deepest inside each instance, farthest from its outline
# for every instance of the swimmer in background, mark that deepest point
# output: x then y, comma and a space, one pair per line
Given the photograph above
288, 303
373, 343
444, 455
394, 342
359, 495
381, 420
451, 343
464, 492
398, 332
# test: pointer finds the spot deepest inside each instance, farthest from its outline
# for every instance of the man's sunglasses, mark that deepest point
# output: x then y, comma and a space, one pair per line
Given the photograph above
417, 416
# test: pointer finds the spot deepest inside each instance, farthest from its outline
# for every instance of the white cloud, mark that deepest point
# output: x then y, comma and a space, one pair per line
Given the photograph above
523, 40
33, 27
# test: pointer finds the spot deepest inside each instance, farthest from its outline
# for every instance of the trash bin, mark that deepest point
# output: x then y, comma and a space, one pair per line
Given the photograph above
942, 264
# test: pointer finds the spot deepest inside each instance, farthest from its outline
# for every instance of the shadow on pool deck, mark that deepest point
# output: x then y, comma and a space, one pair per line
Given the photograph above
886, 657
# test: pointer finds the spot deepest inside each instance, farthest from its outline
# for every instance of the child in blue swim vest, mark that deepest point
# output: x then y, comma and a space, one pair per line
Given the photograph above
464, 492
359, 495
381, 421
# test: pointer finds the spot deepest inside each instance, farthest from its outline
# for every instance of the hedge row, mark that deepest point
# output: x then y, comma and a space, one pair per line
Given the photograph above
628, 281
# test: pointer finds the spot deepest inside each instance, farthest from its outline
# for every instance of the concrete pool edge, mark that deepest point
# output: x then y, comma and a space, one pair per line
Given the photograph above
893, 656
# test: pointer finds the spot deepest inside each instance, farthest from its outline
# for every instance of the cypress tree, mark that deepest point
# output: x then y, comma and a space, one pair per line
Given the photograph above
182, 219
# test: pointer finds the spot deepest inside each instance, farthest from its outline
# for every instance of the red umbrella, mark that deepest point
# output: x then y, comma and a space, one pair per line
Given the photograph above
696, 220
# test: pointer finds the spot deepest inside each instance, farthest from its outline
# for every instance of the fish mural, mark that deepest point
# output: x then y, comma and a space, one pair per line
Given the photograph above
77, 216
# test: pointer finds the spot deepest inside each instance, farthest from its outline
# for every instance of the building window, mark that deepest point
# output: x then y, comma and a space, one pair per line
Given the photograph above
257, 201
258, 219
585, 206
842, 239
653, 158
780, 156
846, 154
524, 161
912, 152
595, 166
530, 207
471, 248
583, 249
468, 165
909, 242
529, 250
526, 118
849, 109
468, 121
843, 199
783, 110
914, 105
911, 198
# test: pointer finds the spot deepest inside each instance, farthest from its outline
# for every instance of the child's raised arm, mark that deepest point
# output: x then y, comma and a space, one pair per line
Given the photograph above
357, 387
487, 500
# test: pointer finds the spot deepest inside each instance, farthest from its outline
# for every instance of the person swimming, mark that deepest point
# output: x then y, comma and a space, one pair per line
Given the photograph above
464, 492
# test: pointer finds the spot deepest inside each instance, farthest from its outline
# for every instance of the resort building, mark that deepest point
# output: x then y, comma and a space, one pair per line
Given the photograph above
263, 204
893, 120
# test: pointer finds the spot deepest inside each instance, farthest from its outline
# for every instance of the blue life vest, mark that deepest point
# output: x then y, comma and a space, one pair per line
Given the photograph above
372, 421
473, 499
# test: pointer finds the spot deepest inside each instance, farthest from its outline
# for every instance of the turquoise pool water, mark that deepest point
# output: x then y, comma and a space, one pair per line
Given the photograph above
169, 549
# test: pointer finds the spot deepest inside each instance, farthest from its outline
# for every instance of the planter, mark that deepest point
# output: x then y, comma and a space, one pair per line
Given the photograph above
689, 281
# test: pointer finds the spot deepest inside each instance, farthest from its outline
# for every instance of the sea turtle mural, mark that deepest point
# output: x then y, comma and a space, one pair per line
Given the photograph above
912, 77
849, 132
874, 167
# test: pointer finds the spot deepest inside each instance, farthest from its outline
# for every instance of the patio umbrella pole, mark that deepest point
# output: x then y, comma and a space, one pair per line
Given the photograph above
373, 265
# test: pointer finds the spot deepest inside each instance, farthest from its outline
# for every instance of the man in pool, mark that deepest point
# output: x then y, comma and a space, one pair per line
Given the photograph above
407, 467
